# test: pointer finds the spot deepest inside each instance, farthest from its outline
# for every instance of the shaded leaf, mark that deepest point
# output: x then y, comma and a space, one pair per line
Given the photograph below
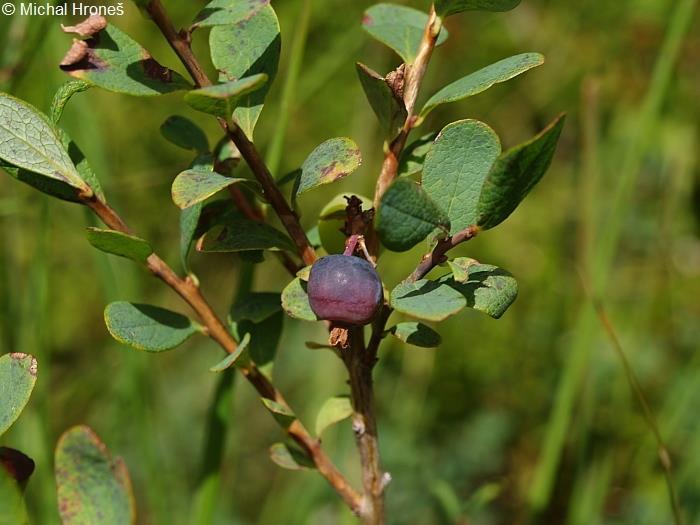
290, 457
487, 288
121, 244
515, 173
398, 27
63, 95
282, 414
17, 378
264, 337
92, 486
17, 464
333, 411
189, 220
223, 12
256, 307
429, 300
413, 155
451, 7
455, 169
295, 301
183, 132
198, 184
416, 334
28, 140
244, 49
147, 327
244, 234
330, 161
221, 99
112, 60
483, 79
406, 216
389, 108
231, 358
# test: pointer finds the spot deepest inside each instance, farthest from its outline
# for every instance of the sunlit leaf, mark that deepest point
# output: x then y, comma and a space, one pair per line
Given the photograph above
221, 99
330, 161
334, 410
451, 7
487, 288
223, 12
198, 184
63, 95
429, 300
17, 378
121, 244
295, 301
416, 334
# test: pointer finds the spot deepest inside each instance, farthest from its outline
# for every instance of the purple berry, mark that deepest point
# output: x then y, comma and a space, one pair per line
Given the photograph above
344, 288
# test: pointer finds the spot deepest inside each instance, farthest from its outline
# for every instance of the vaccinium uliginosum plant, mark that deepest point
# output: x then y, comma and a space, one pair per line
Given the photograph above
445, 187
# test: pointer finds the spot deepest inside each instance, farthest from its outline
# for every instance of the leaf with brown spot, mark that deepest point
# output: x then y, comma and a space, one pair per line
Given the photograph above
17, 378
88, 27
112, 60
332, 160
92, 486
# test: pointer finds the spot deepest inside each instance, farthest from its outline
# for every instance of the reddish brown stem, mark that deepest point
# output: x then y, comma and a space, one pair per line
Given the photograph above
439, 253
215, 328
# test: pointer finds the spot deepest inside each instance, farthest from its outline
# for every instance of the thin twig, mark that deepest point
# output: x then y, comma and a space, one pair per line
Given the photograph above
439, 253
190, 292
662, 449
180, 43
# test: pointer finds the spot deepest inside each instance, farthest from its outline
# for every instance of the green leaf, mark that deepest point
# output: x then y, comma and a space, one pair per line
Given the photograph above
147, 327
290, 456
515, 173
295, 301
243, 235
330, 161
198, 184
429, 300
331, 221
451, 7
81, 165
283, 415
121, 244
388, 107
256, 307
12, 508
333, 411
184, 133
92, 486
190, 217
220, 100
244, 49
113, 61
416, 334
456, 166
483, 79
231, 358
63, 95
413, 155
406, 216
264, 337
460, 267
224, 12
28, 140
17, 379
487, 288
398, 27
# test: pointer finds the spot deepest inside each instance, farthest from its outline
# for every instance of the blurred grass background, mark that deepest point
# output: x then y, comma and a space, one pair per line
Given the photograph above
528, 419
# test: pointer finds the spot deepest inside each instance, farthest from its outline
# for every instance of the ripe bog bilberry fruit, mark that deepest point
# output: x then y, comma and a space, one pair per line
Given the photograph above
344, 288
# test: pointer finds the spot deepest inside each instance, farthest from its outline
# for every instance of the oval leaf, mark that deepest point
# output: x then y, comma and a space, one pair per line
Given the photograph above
332, 160
451, 7
247, 48
28, 140
290, 457
198, 184
398, 27
245, 235
486, 288
429, 300
416, 334
121, 244
112, 60
282, 414
333, 411
295, 301
17, 378
455, 169
231, 358
220, 100
388, 107
92, 487
515, 173
406, 216
147, 327
483, 79
183, 132
224, 12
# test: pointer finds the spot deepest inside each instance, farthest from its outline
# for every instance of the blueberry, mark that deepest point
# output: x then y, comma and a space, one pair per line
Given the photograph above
344, 288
